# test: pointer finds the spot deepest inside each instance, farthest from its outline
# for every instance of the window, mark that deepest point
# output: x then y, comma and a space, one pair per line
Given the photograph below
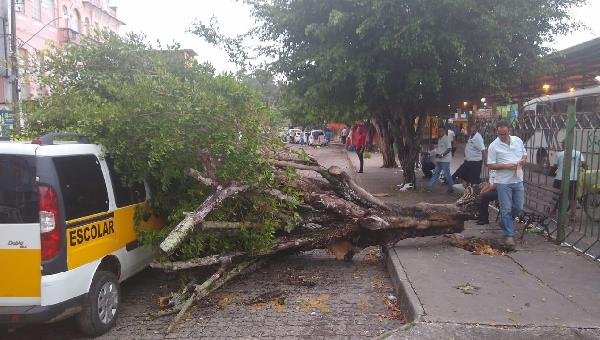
541, 109
561, 106
76, 22
82, 185
65, 14
86, 24
51, 6
125, 194
37, 9
589, 104
18, 190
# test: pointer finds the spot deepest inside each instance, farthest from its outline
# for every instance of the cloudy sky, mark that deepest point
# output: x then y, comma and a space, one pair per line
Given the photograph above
167, 21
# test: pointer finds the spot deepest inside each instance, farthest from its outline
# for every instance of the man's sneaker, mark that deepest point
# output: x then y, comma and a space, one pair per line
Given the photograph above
482, 222
510, 242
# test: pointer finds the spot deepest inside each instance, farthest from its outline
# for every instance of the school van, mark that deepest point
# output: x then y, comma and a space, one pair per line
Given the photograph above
67, 233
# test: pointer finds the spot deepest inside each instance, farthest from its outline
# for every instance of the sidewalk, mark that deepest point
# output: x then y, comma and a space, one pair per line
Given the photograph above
540, 290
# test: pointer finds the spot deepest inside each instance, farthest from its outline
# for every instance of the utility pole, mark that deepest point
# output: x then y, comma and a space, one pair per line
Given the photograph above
14, 69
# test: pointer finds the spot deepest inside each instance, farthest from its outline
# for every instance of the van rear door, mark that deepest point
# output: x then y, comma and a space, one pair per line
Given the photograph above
20, 245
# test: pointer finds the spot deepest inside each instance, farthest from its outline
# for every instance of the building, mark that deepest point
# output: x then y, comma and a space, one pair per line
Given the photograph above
40, 23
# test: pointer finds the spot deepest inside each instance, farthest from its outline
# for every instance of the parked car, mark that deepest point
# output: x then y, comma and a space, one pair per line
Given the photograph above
293, 135
316, 138
67, 228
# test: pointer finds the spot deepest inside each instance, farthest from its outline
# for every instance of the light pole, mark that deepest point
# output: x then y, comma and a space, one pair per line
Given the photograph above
14, 70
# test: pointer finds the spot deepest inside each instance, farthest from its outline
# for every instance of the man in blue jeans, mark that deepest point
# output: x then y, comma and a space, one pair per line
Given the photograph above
443, 157
507, 155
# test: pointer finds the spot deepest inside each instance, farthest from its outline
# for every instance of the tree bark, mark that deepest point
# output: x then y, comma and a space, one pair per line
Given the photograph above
386, 142
409, 146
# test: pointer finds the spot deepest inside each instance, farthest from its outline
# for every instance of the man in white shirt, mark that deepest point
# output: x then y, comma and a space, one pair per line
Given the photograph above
507, 155
577, 158
344, 135
470, 170
442, 157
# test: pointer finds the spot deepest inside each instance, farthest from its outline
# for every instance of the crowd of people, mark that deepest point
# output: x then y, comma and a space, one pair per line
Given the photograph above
504, 158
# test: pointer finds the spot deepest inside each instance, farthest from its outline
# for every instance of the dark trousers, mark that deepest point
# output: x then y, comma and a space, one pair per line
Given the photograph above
360, 152
485, 199
470, 171
427, 168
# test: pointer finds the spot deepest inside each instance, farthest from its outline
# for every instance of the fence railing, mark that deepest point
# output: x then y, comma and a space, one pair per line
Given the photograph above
542, 135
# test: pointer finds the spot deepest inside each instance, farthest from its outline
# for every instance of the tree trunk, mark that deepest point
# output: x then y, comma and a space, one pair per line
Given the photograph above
409, 146
386, 140
334, 212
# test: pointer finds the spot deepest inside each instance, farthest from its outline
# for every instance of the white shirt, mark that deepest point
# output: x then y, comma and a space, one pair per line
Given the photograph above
575, 161
451, 134
442, 146
474, 147
501, 153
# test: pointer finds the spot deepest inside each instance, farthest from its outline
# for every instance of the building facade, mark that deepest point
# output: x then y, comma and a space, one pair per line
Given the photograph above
41, 23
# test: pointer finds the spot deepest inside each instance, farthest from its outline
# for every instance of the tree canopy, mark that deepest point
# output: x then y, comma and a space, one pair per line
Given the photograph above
154, 111
398, 60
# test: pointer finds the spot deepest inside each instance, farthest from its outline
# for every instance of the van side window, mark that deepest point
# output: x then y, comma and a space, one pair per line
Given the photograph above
590, 104
82, 185
561, 106
125, 194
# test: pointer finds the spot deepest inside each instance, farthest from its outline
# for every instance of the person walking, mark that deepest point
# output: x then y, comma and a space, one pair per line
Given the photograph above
344, 135
576, 160
328, 135
470, 170
359, 138
507, 155
443, 157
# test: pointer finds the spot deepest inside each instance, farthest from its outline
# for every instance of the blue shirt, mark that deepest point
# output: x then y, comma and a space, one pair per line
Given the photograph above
502, 153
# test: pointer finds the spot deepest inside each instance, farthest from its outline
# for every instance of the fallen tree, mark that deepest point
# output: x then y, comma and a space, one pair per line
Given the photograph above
335, 213
244, 198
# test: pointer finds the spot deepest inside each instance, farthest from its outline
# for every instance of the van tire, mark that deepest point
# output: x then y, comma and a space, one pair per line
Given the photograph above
104, 285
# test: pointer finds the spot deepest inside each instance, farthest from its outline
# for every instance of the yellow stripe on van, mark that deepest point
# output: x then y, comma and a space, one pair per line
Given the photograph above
93, 237
21, 277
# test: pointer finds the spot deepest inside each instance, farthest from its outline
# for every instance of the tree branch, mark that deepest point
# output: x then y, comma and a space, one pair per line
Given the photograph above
183, 228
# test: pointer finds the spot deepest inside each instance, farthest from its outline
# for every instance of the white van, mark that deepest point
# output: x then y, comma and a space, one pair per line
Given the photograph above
67, 233
547, 117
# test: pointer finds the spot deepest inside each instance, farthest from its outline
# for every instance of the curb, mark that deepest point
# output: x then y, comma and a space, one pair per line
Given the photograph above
407, 297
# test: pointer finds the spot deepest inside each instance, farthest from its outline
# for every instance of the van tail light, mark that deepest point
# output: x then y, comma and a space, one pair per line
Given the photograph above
49, 222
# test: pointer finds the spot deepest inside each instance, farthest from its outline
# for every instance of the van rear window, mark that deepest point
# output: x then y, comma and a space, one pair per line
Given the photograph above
18, 190
82, 185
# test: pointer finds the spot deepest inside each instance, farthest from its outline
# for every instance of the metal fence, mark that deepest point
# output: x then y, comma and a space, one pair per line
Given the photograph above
542, 134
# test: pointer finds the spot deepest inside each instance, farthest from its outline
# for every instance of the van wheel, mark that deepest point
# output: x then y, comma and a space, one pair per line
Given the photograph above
102, 305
